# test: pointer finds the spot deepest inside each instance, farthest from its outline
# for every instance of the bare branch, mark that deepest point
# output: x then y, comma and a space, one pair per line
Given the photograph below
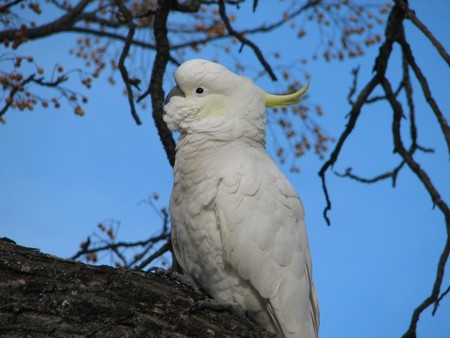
433, 298
63, 23
245, 41
377, 98
389, 174
409, 99
411, 15
426, 91
13, 92
245, 32
156, 82
354, 86
392, 27
434, 194
161, 251
7, 6
436, 303
118, 245
394, 33
186, 6
353, 117
123, 70
105, 34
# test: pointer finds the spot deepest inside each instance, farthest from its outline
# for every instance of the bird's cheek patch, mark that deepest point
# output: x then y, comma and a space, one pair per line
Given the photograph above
214, 106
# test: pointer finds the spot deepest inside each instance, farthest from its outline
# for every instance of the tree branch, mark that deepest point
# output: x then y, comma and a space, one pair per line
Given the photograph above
354, 86
435, 196
260, 29
389, 174
63, 23
411, 15
393, 24
436, 303
13, 92
353, 117
118, 245
399, 148
156, 82
395, 33
5, 7
105, 34
407, 52
126, 48
433, 298
45, 296
158, 253
245, 41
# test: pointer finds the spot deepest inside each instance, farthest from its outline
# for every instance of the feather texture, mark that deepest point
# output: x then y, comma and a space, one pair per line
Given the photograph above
268, 246
237, 223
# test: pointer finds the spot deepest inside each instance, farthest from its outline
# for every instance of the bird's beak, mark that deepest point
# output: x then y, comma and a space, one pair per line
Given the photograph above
277, 101
176, 91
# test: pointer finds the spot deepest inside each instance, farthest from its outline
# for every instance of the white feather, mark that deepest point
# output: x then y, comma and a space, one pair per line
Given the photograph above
237, 223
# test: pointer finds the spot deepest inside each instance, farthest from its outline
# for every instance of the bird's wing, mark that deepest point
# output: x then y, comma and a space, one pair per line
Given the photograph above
261, 220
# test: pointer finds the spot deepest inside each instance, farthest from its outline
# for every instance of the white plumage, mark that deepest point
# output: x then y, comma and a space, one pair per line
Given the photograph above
237, 223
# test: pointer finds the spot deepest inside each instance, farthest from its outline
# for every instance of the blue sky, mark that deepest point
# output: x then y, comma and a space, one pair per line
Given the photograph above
60, 175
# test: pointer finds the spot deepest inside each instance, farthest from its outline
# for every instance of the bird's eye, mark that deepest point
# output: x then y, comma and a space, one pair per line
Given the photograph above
200, 91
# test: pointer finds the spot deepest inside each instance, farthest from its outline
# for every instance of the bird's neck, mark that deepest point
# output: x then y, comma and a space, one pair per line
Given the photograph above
204, 147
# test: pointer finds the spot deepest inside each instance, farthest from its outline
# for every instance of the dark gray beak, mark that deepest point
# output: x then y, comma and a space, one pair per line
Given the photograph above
176, 91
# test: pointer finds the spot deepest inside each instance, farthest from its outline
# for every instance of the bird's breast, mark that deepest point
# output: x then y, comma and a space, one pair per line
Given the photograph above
195, 231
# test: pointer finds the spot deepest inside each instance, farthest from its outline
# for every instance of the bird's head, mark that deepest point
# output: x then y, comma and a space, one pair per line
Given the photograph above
210, 99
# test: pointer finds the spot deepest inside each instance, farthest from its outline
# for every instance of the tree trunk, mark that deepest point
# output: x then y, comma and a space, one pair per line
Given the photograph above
45, 296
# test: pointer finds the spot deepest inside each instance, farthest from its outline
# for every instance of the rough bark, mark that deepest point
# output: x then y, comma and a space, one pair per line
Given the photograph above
45, 296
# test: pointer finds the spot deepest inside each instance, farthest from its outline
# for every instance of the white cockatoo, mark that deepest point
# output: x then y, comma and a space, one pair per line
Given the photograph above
238, 225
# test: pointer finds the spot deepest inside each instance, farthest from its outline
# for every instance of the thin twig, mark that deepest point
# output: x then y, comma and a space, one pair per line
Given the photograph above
13, 92
436, 303
411, 15
5, 7
389, 174
126, 49
434, 194
394, 20
407, 52
354, 86
63, 23
117, 245
433, 298
377, 98
353, 117
409, 99
245, 41
161, 251
259, 29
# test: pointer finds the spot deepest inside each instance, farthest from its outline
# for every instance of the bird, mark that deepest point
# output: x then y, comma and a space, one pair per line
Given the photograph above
238, 226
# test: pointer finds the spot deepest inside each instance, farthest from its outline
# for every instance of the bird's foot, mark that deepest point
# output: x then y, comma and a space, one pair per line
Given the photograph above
214, 305
178, 277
